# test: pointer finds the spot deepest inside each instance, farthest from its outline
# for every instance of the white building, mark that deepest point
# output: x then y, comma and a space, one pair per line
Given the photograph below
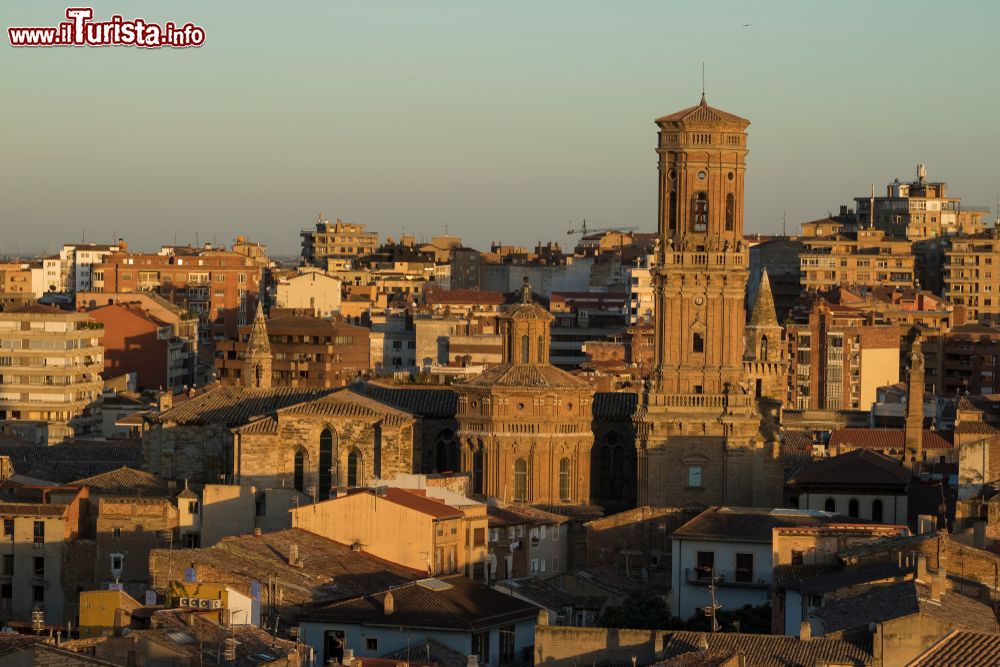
312, 290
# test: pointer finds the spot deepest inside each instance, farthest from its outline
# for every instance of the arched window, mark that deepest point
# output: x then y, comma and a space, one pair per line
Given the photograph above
520, 481
672, 209
852, 508
299, 473
699, 212
697, 342
611, 467
877, 510
730, 212
477, 471
793, 502
564, 494
258, 375
541, 350
763, 348
325, 472
525, 350
354, 468
446, 452
830, 505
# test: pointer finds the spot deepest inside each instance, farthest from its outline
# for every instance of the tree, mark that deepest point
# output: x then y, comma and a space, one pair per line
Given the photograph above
640, 610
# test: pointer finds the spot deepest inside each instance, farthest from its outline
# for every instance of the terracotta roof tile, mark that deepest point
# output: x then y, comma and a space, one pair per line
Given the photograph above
770, 650
882, 438
122, 479
747, 524
525, 376
858, 467
235, 405
961, 647
440, 403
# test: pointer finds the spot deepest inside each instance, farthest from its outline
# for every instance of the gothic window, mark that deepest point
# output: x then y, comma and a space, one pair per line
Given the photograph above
698, 343
877, 510
830, 505
520, 481
672, 211
446, 452
326, 440
612, 468
541, 350
564, 480
730, 212
354, 468
852, 508
477, 471
699, 206
763, 348
525, 350
299, 474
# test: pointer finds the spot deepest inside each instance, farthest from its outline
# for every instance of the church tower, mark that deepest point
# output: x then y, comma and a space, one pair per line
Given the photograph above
913, 430
697, 425
257, 370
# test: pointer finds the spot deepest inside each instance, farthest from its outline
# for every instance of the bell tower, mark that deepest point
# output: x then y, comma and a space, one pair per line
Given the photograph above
697, 426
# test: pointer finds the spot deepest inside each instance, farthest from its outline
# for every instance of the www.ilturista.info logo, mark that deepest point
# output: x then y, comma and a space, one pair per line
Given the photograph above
79, 30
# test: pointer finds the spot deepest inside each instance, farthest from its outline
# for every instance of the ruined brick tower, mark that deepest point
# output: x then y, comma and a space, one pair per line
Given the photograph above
697, 426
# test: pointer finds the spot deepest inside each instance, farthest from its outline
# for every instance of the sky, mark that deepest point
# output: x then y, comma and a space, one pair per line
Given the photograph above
510, 121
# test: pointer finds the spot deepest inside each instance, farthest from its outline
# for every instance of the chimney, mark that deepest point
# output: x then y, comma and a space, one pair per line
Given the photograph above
543, 617
348, 657
471, 661
293, 556
702, 641
926, 523
922, 568
805, 631
939, 580
388, 604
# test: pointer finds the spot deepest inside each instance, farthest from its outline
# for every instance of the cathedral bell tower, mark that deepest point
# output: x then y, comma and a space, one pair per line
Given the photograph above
697, 425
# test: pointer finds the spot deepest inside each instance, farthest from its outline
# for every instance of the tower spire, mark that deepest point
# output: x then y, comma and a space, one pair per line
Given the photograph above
913, 433
703, 80
258, 353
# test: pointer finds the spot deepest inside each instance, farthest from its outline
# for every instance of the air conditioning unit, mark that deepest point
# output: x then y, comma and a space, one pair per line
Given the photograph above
216, 604
185, 602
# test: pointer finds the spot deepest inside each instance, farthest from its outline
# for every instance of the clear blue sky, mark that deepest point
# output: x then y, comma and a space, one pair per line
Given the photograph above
505, 120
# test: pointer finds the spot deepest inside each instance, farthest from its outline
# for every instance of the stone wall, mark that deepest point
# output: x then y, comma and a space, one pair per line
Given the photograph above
562, 646
642, 533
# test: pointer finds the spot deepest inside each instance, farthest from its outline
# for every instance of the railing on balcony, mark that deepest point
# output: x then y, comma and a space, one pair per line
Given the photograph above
729, 578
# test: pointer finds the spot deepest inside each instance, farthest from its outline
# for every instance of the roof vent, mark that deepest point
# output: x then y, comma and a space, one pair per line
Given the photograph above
433, 584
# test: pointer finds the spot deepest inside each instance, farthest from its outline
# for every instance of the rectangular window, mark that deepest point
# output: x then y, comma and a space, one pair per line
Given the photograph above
8, 565
796, 557
193, 506
541, 531
371, 643
694, 476
478, 537
6, 591
481, 646
706, 564
39, 532
534, 566
38, 594
8, 528
38, 566
507, 645
744, 568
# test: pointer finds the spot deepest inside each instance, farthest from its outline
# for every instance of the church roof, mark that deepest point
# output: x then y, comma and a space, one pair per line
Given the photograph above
235, 405
702, 113
122, 479
420, 401
525, 376
764, 313
347, 403
858, 467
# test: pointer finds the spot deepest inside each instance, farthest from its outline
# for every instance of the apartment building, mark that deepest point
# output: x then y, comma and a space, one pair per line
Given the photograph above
865, 258
219, 287
972, 275
50, 365
336, 246
306, 351
837, 359
310, 290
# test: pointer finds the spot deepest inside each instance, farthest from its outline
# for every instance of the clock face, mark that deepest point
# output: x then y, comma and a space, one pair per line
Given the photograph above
699, 300
702, 175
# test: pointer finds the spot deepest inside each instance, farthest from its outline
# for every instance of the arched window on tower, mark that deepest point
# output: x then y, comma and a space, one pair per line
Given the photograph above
446, 452
541, 350
354, 468
325, 472
564, 494
763, 348
699, 212
477, 471
520, 481
730, 212
525, 350
672, 211
612, 468
697, 343
299, 472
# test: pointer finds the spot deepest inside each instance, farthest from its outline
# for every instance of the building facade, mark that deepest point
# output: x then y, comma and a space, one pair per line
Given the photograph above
972, 276
336, 246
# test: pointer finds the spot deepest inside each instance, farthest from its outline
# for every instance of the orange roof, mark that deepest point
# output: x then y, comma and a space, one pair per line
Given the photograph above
882, 438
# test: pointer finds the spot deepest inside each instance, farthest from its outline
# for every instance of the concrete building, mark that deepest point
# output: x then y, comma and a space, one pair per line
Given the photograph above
838, 360
404, 526
311, 291
971, 360
866, 258
336, 246
51, 360
972, 275
526, 542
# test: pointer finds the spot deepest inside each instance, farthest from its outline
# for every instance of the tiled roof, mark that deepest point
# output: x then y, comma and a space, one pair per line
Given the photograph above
746, 524
235, 405
525, 376
462, 604
978, 428
615, 404
263, 426
961, 647
769, 650
521, 515
796, 440
440, 403
882, 438
432, 295
427, 652
903, 599
543, 593
702, 113
37, 309
347, 403
330, 570
700, 658
73, 460
31, 509
406, 498
858, 467
122, 479
832, 581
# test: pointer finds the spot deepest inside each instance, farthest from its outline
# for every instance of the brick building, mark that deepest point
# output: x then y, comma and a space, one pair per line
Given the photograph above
336, 246
306, 351
865, 258
972, 275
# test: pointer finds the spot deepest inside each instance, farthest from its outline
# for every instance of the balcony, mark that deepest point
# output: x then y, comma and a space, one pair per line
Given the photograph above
729, 578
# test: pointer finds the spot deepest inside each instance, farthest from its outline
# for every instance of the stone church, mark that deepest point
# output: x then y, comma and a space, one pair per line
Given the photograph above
703, 431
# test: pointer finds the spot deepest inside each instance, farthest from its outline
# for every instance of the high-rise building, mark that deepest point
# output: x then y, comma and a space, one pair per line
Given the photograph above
866, 258
335, 246
697, 425
972, 276
50, 365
